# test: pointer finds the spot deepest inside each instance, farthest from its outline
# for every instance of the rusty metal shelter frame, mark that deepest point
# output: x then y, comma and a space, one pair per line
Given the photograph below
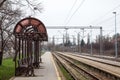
29, 33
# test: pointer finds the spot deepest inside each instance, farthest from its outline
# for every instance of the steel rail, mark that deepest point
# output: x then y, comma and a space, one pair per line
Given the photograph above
105, 70
79, 70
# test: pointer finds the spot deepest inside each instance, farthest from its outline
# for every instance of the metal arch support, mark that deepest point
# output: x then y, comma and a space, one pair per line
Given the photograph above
30, 21
29, 33
81, 27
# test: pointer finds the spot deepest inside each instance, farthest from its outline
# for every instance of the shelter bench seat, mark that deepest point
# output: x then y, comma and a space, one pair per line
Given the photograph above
25, 66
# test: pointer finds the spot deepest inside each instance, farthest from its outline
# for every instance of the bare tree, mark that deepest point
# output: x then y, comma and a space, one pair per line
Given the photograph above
10, 13
2, 2
30, 5
7, 19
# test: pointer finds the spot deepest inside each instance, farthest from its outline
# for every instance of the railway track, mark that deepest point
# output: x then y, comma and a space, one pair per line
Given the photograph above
75, 71
112, 58
98, 59
86, 69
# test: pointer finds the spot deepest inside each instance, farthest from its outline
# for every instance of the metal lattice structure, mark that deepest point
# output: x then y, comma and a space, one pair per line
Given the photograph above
29, 33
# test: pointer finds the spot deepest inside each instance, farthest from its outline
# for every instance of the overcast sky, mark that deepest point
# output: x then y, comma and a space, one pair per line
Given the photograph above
80, 13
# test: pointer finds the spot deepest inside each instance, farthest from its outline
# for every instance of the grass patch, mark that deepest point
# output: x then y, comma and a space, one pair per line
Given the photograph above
7, 69
65, 73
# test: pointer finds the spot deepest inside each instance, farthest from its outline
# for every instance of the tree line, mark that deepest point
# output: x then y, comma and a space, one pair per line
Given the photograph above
108, 45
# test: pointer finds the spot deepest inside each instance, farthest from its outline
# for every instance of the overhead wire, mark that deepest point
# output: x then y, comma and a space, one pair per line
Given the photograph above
118, 22
104, 21
108, 19
71, 10
75, 11
105, 14
108, 33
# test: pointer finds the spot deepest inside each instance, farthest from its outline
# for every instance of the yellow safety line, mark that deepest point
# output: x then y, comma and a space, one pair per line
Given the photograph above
58, 76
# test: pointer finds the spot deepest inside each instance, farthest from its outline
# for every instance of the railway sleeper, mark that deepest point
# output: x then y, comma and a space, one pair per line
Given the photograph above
60, 64
71, 71
107, 75
82, 72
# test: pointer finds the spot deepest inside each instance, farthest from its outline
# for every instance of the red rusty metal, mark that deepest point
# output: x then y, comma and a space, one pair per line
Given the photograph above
30, 21
29, 33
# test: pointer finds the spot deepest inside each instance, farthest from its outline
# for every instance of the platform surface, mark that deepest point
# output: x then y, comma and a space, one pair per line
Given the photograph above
47, 70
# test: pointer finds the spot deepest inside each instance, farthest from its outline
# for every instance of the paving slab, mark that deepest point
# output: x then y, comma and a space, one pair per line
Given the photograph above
47, 70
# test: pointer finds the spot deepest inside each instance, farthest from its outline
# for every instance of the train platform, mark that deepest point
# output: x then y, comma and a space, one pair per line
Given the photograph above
47, 71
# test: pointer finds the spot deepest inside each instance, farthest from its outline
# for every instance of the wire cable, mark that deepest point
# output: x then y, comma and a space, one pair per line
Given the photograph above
106, 20
105, 14
71, 10
75, 11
